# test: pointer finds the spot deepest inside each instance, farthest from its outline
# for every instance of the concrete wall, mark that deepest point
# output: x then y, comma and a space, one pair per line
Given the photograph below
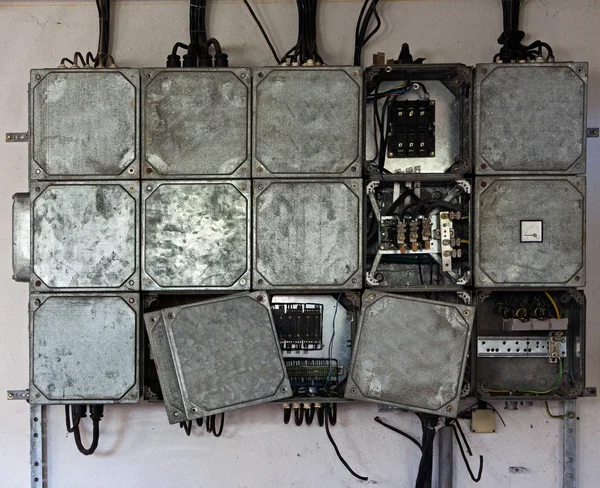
137, 446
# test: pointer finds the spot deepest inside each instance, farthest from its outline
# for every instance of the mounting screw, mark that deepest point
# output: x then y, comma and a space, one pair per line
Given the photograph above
131, 170
194, 410
283, 389
259, 298
260, 282
371, 297
132, 300
261, 187
449, 408
38, 171
37, 302
577, 278
353, 390
432, 154
171, 315
355, 74
353, 169
260, 75
242, 281
243, 187
466, 313
132, 395
37, 395
354, 186
38, 77
259, 168
131, 282
149, 188
175, 414
483, 166
38, 283
242, 75
483, 184
37, 189
571, 415
10, 396
354, 280
390, 154
8, 137
148, 170
149, 75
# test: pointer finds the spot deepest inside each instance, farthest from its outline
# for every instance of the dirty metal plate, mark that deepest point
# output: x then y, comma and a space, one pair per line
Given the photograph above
196, 122
307, 122
222, 354
307, 234
85, 236
21, 237
531, 231
84, 348
510, 347
84, 123
531, 118
410, 353
196, 235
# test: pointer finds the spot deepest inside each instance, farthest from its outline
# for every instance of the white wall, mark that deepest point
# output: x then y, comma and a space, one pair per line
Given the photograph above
137, 446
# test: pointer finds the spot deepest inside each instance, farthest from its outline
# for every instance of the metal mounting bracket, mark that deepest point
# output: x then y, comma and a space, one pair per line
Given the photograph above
570, 444
593, 132
17, 137
17, 394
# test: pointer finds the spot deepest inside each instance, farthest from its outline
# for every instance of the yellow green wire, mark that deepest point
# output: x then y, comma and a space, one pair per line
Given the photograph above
550, 413
553, 304
537, 392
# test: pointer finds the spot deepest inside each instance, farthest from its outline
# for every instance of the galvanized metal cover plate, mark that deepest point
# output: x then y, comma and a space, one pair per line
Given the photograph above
530, 118
410, 353
85, 236
84, 123
307, 234
224, 352
307, 122
84, 348
21, 237
196, 122
530, 231
196, 235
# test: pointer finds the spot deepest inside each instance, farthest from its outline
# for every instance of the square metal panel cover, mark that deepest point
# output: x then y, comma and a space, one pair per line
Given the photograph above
196, 235
85, 236
84, 348
509, 211
220, 355
411, 353
531, 118
84, 123
196, 122
307, 234
307, 122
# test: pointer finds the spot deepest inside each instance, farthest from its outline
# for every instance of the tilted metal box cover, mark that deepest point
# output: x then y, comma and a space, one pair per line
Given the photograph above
411, 353
307, 122
83, 123
196, 122
530, 118
307, 234
84, 348
530, 231
217, 355
85, 236
196, 235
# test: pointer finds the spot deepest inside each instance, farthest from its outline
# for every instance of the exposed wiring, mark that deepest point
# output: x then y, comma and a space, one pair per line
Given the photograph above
305, 51
362, 24
456, 428
264, 33
556, 310
398, 431
337, 451
337, 303
552, 416
536, 392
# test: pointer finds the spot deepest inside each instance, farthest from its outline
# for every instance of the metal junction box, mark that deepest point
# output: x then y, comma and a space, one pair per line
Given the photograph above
411, 353
530, 118
196, 235
84, 348
307, 234
307, 122
83, 123
196, 123
85, 236
530, 231
217, 355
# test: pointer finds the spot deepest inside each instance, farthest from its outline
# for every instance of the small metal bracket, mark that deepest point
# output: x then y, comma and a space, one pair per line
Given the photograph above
465, 296
570, 445
593, 132
17, 137
36, 446
590, 391
17, 394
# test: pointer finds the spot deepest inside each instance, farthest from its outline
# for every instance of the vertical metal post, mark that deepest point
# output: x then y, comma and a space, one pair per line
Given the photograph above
36, 446
570, 445
445, 457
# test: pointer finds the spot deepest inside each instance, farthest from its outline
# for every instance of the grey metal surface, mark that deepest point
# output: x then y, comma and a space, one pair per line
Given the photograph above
21, 237
85, 236
224, 352
530, 118
84, 348
512, 347
570, 444
447, 132
307, 234
340, 350
411, 353
307, 122
196, 235
502, 203
83, 123
196, 122
445, 456
37, 461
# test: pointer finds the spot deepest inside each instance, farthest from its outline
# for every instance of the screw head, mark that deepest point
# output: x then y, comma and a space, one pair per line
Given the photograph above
38, 77
371, 297
466, 313
37, 189
242, 281
149, 188
283, 389
259, 298
37, 302
449, 408
175, 414
260, 282
432, 153
483, 184
132, 300
132, 395
243, 75
148, 170
131, 282
353, 390
353, 169
37, 395
171, 315
260, 75
259, 169
483, 165
38, 171
354, 280
38, 283
243, 187
131, 170
10, 396
355, 74
194, 410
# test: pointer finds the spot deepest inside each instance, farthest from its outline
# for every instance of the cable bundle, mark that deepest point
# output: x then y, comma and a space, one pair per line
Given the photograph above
511, 39
305, 52
77, 413
364, 19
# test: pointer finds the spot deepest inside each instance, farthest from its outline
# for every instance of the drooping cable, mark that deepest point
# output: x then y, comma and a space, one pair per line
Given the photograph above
362, 24
96, 414
337, 451
264, 33
398, 431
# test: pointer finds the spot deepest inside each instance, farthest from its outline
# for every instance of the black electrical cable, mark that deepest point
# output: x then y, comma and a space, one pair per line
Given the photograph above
337, 451
298, 416
477, 478
400, 200
425, 473
219, 431
186, 426
200, 421
287, 415
96, 414
309, 414
321, 416
398, 431
264, 33
362, 24
332, 413
210, 426
77, 415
